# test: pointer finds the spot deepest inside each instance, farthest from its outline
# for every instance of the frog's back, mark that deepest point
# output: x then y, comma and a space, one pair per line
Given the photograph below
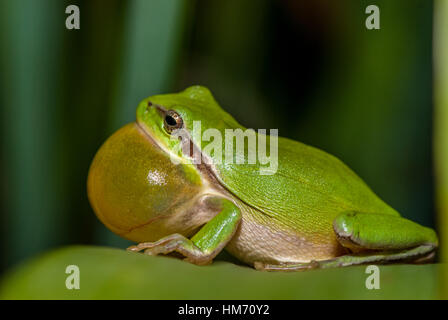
308, 181
299, 202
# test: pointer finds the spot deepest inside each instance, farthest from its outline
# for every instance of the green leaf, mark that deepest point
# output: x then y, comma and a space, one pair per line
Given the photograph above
107, 273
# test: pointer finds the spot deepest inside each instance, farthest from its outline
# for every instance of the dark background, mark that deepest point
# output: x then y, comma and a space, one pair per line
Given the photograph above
309, 68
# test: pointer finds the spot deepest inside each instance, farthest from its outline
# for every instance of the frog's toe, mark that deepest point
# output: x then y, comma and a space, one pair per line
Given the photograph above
286, 266
134, 248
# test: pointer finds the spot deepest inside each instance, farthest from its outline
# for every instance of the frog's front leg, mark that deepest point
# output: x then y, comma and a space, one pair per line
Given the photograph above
203, 247
373, 238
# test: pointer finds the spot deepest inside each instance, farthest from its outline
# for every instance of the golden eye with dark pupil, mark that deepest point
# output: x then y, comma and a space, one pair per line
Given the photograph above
172, 121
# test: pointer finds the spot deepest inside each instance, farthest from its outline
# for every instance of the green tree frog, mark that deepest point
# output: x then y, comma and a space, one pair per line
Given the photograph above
313, 212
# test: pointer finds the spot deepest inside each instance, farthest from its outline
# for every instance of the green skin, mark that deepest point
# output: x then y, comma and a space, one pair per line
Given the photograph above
314, 212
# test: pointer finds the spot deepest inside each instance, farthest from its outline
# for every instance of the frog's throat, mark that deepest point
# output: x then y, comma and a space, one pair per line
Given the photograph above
205, 166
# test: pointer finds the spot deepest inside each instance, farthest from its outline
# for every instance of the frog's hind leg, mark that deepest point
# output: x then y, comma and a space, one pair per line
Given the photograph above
373, 238
418, 254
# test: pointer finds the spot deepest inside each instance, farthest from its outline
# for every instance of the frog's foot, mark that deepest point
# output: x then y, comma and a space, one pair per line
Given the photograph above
203, 247
383, 238
174, 243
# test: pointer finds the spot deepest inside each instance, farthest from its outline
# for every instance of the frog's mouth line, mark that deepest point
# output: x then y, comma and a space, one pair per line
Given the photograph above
140, 127
205, 166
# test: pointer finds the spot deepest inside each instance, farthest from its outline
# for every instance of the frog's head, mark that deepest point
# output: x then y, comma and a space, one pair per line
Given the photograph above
166, 117
134, 186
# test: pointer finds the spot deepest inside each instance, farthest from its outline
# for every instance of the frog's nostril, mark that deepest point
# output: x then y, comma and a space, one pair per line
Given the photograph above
149, 103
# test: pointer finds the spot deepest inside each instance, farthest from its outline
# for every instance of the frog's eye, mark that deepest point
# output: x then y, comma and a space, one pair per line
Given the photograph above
172, 121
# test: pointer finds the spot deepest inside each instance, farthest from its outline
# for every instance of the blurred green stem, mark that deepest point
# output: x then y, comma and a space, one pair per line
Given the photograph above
441, 120
30, 86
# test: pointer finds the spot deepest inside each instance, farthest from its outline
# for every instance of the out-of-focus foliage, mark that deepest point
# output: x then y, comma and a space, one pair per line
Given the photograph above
309, 68
117, 274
